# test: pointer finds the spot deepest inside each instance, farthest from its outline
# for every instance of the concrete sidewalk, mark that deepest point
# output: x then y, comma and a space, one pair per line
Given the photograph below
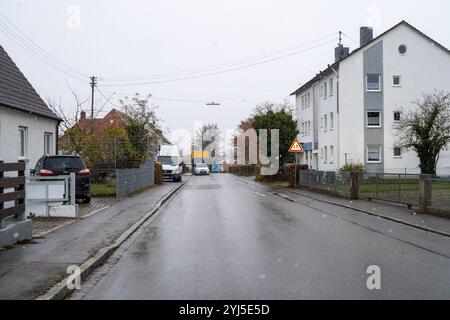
45, 225
390, 212
393, 212
28, 270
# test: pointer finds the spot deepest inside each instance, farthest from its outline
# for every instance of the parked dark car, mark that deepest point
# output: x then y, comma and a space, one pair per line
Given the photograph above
48, 166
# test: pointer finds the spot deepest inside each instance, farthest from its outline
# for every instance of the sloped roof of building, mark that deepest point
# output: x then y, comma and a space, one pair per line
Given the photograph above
16, 92
325, 72
118, 118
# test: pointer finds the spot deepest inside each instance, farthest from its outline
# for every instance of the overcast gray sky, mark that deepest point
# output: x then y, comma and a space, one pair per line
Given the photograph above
131, 38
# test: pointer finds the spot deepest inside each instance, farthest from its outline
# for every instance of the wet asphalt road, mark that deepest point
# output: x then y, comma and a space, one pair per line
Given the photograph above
222, 237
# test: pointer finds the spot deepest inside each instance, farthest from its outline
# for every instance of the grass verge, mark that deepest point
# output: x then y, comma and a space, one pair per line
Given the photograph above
102, 190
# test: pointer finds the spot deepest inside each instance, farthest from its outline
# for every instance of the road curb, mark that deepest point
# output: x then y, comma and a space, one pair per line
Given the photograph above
60, 290
412, 225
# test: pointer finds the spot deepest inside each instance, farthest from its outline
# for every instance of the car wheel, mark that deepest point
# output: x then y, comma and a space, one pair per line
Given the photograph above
87, 199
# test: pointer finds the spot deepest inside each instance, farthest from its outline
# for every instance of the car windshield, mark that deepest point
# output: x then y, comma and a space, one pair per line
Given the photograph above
168, 160
64, 163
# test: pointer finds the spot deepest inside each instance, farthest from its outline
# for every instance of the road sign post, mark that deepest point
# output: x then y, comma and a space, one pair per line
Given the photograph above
296, 148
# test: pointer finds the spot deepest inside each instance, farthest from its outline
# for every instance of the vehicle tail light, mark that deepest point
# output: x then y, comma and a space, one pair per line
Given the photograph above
84, 172
46, 173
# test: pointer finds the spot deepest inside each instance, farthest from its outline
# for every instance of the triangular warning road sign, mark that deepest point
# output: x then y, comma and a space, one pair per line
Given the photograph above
296, 146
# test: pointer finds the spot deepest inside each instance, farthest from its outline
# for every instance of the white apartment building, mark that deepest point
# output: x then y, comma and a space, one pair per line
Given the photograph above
347, 112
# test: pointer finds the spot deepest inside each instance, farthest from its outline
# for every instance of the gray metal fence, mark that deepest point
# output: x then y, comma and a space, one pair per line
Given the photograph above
439, 196
393, 187
131, 180
339, 184
427, 192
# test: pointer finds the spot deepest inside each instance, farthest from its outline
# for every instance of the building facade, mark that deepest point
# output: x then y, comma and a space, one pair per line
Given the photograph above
347, 112
28, 128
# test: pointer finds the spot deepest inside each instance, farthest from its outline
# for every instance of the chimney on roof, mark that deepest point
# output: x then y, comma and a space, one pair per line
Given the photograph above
365, 35
340, 52
83, 115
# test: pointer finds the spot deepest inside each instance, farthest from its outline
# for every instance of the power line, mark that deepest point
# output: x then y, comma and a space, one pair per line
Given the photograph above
40, 57
219, 72
216, 66
350, 38
34, 49
104, 104
152, 97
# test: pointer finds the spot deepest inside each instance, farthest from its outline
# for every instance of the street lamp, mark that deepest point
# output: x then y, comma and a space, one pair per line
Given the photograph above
212, 103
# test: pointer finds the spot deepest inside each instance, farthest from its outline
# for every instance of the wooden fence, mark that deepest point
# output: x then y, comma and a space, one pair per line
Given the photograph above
16, 211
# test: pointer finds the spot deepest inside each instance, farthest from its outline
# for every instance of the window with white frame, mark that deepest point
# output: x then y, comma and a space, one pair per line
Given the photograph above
373, 82
325, 122
23, 141
325, 154
48, 143
321, 122
373, 119
397, 115
331, 86
373, 154
321, 153
397, 152
308, 100
331, 153
331, 121
396, 81
325, 90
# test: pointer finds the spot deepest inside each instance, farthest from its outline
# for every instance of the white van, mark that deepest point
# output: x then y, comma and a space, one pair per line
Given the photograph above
172, 165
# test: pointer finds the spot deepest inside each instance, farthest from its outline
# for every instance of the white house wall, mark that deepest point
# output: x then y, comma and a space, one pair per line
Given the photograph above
37, 126
351, 109
328, 137
304, 116
424, 68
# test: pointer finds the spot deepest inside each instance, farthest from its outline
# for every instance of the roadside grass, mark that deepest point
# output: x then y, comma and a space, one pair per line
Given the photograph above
394, 185
102, 190
390, 189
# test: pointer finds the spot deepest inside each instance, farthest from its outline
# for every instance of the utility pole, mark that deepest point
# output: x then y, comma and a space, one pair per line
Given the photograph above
93, 83
202, 147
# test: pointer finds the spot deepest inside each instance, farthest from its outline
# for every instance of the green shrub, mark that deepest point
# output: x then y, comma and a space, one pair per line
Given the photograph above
284, 174
352, 167
243, 170
291, 173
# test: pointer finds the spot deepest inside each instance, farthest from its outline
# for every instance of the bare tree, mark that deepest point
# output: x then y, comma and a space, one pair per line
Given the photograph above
139, 110
426, 129
71, 116
207, 135
142, 123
